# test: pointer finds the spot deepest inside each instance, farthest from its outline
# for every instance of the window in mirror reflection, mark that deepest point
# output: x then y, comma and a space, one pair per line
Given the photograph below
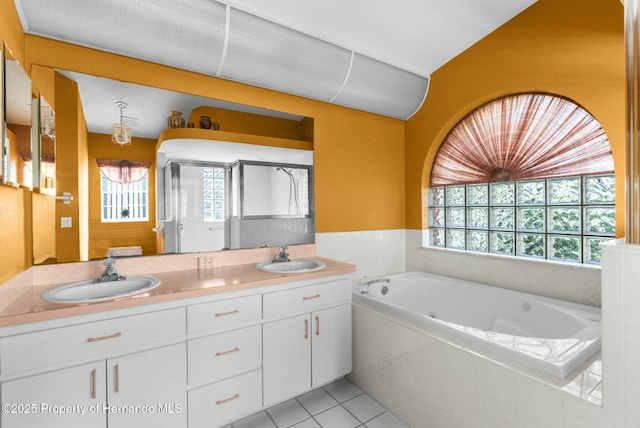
213, 194
124, 190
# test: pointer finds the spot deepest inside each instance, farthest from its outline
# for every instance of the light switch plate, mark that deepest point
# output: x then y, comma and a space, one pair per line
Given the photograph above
65, 222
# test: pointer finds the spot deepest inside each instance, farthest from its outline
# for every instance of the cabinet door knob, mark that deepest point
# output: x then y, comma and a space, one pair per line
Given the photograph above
315, 296
306, 328
317, 326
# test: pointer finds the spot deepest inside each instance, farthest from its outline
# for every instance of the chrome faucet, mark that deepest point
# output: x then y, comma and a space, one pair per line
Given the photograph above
110, 273
364, 285
283, 255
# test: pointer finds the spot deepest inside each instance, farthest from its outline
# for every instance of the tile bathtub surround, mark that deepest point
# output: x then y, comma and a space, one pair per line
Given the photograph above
340, 404
424, 380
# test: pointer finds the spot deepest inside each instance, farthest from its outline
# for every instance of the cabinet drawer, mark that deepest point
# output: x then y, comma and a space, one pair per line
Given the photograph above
223, 402
71, 345
220, 356
281, 304
214, 317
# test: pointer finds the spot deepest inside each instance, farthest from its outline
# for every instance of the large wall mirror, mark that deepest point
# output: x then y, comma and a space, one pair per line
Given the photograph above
17, 151
180, 165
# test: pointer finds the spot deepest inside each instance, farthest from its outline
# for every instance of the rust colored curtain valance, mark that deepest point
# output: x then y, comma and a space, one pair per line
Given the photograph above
123, 171
522, 136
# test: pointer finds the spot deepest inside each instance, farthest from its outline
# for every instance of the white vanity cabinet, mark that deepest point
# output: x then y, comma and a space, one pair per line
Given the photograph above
200, 362
225, 368
34, 401
113, 373
308, 343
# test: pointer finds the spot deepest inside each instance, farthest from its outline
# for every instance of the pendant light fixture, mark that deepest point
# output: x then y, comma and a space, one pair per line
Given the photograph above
120, 133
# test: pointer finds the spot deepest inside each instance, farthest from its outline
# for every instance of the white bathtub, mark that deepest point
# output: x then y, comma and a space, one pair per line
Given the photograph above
546, 334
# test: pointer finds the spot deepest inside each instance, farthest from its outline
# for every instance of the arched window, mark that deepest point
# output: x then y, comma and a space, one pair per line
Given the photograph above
528, 175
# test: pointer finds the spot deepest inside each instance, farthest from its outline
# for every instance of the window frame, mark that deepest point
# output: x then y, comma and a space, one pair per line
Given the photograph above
449, 219
135, 193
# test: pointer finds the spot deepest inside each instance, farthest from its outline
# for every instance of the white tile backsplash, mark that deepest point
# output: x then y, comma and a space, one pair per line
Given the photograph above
374, 252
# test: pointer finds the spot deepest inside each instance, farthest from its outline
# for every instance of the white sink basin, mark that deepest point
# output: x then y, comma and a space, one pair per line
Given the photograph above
292, 266
89, 291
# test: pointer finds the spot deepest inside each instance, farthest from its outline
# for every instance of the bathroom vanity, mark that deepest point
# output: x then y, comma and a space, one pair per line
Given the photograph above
199, 358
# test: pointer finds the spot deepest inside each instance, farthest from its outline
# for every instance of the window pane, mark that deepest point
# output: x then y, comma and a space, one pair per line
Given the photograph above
502, 242
531, 192
478, 218
496, 211
502, 218
436, 237
502, 193
455, 239
531, 219
455, 217
600, 189
564, 190
455, 195
592, 250
436, 217
600, 220
478, 240
565, 248
436, 196
531, 245
124, 202
564, 219
478, 194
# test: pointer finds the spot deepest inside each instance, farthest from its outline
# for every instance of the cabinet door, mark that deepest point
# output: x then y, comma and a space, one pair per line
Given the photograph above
331, 344
286, 358
71, 397
148, 389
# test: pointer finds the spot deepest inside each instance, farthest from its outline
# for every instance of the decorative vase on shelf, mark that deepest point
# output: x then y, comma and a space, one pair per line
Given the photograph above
205, 122
175, 119
190, 125
216, 126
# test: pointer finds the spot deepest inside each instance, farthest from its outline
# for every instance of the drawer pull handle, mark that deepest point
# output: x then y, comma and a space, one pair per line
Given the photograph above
94, 388
224, 314
317, 326
306, 328
226, 400
110, 336
230, 351
315, 296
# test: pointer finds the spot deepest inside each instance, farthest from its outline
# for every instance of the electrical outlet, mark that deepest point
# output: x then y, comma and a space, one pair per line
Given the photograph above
65, 222
207, 262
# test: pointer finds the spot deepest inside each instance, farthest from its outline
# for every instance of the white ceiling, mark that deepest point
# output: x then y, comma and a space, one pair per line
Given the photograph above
417, 36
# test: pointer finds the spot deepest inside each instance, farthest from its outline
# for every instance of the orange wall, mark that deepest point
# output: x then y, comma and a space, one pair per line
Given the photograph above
44, 227
574, 49
70, 170
105, 235
14, 223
